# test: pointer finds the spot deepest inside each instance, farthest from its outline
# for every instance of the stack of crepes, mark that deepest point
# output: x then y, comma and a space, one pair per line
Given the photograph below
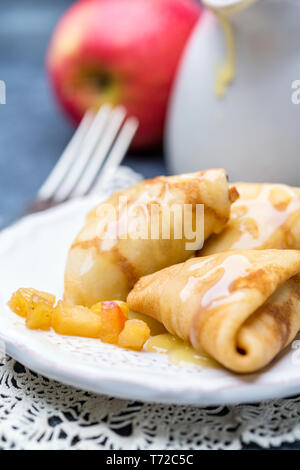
237, 299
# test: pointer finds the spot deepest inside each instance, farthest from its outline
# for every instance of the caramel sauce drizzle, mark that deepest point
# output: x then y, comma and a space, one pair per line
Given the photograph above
227, 71
179, 352
217, 281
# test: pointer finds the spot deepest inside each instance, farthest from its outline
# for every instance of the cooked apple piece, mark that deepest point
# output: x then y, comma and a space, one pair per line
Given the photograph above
134, 335
76, 321
20, 300
40, 312
123, 306
97, 308
112, 321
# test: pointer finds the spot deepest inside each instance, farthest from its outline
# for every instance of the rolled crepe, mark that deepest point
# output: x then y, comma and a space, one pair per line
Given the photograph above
264, 216
241, 307
104, 263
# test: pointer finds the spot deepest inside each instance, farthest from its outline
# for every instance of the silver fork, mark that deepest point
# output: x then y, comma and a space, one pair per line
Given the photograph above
95, 151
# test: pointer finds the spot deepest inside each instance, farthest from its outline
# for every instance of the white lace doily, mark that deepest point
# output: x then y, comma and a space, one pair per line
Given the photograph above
37, 413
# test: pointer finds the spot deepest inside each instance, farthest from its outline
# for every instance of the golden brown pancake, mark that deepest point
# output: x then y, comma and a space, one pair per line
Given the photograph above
241, 307
101, 267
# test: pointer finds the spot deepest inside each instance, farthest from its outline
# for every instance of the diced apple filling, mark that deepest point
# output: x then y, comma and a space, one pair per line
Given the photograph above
20, 300
134, 335
112, 321
123, 306
39, 315
107, 321
76, 321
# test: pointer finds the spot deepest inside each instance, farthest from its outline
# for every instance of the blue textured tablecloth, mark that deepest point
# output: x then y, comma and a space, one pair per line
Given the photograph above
33, 133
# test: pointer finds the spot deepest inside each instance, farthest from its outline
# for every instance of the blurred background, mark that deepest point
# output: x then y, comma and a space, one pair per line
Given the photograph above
33, 130
216, 90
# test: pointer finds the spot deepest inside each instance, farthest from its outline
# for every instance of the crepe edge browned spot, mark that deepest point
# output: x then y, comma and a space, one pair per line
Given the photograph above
282, 316
86, 244
296, 285
125, 266
233, 194
258, 279
220, 218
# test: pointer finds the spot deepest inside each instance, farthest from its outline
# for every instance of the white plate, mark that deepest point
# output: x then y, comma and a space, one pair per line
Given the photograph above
33, 254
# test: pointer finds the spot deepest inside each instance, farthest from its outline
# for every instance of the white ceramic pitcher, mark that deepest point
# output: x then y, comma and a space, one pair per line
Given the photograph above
254, 130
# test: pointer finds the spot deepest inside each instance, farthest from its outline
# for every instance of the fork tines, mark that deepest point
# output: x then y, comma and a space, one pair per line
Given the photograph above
93, 154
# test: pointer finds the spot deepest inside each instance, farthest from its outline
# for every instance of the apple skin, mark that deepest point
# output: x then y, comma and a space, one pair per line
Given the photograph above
123, 52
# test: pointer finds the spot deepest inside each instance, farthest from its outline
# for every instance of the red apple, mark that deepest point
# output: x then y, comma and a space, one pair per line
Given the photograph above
122, 52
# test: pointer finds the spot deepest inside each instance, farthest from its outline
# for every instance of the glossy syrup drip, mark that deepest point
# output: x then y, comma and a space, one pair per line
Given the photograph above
233, 267
179, 352
218, 281
226, 71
